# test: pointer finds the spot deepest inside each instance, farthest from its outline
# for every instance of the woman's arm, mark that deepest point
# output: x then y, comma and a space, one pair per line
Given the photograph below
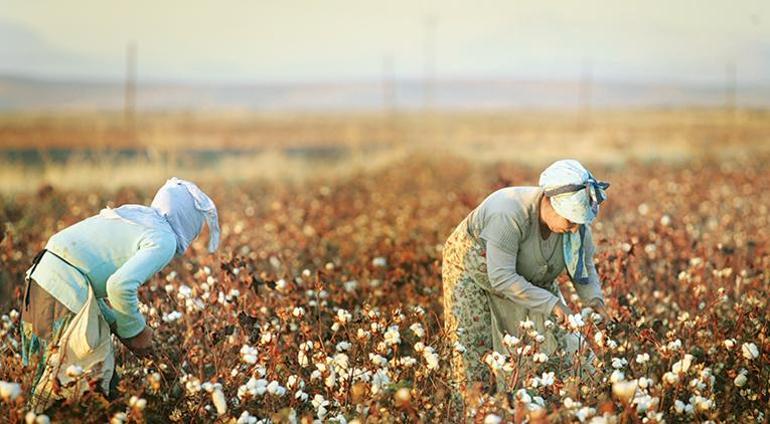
501, 270
502, 235
122, 286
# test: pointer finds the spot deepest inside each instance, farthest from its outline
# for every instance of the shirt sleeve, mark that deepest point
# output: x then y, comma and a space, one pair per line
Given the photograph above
154, 253
592, 290
503, 232
505, 281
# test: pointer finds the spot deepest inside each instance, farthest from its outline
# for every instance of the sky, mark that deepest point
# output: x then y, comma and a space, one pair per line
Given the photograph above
342, 40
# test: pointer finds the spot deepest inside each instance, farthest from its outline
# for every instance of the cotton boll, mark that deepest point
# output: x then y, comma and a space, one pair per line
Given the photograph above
624, 390
510, 341
750, 351
584, 413
701, 404
569, 403
575, 322
74, 371
276, 389
294, 381
526, 324
679, 406
218, 398
740, 380
9, 391
343, 316
431, 358
599, 338
671, 378
249, 354
246, 418
644, 382
547, 379
392, 336
32, 418
522, 396
137, 403
402, 398
683, 365
417, 329
617, 376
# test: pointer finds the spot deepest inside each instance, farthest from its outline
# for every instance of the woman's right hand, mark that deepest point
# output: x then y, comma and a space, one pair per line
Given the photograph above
561, 312
141, 344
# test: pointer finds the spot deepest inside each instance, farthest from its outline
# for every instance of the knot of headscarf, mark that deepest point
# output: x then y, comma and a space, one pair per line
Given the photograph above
575, 195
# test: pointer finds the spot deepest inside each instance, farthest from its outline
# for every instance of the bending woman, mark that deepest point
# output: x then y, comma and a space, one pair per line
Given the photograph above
501, 262
114, 252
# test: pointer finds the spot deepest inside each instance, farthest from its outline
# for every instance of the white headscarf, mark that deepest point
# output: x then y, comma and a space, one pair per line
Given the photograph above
181, 205
185, 207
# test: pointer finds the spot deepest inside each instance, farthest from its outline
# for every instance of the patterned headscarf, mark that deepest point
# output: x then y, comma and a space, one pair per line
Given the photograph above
575, 195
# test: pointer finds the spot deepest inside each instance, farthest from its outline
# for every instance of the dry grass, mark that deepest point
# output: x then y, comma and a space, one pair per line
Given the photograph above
683, 254
365, 140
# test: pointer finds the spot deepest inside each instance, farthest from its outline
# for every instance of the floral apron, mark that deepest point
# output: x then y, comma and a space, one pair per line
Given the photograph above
476, 320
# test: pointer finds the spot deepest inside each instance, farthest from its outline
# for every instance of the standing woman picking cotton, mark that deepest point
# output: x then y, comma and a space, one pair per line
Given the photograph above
501, 262
66, 317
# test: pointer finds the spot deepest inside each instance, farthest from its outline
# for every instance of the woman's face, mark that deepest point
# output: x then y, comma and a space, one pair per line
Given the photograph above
563, 225
555, 222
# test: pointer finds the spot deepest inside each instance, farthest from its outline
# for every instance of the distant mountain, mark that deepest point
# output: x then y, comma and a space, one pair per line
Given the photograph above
25, 93
23, 50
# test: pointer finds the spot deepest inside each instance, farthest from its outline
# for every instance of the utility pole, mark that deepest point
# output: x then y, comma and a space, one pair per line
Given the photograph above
388, 98
585, 93
731, 100
129, 95
429, 82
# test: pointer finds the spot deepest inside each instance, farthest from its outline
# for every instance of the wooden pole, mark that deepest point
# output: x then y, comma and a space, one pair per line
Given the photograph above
129, 95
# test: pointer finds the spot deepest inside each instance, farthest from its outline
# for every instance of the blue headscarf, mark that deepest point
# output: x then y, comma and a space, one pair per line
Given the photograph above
575, 195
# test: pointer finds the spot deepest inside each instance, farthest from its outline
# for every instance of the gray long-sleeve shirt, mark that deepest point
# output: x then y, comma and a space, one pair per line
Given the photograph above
519, 262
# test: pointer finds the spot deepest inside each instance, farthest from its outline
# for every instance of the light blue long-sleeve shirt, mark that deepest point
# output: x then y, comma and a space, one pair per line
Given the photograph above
117, 256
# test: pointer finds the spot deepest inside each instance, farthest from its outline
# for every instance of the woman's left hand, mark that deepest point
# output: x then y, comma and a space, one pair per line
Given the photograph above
598, 306
141, 344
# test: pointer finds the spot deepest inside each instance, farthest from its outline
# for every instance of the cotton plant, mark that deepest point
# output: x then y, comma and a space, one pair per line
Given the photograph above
297, 320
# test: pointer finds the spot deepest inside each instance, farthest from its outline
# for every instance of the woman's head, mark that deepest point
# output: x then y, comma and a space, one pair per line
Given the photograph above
186, 208
572, 193
555, 222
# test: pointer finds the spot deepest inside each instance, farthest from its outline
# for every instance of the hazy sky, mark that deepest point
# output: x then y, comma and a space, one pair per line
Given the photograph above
669, 40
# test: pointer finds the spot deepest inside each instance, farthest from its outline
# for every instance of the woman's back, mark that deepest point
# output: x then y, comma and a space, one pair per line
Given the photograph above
98, 247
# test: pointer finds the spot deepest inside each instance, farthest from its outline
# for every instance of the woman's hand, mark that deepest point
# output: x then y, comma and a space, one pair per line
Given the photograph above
141, 344
598, 306
561, 312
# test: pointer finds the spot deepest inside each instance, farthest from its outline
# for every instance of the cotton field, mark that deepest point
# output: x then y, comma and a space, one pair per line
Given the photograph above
324, 303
